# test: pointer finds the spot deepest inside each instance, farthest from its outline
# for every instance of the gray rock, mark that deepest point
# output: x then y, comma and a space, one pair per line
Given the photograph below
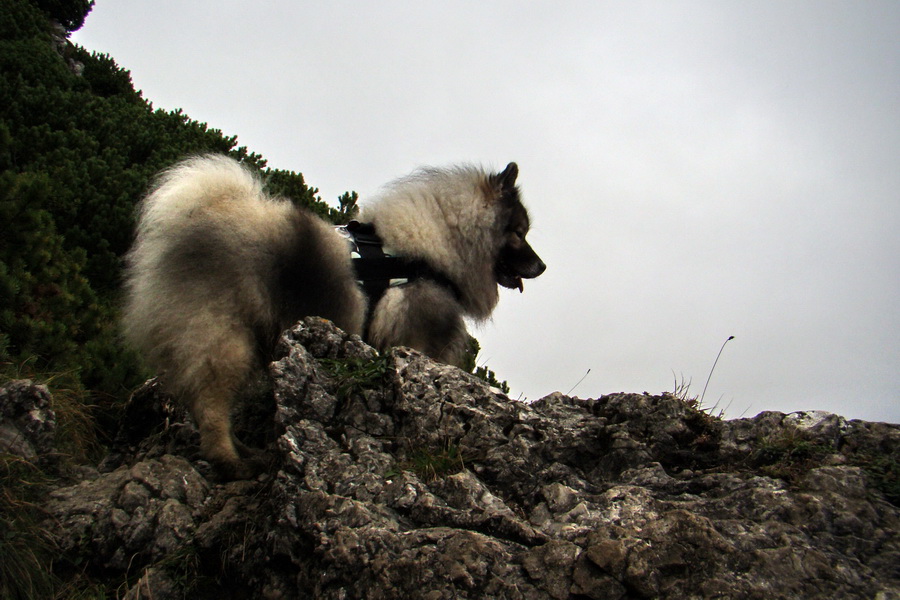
400, 477
143, 512
27, 422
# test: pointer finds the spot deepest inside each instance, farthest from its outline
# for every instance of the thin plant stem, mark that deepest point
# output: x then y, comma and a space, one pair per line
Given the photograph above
578, 382
703, 395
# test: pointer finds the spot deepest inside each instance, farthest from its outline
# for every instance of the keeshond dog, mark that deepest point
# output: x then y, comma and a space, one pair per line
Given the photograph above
219, 269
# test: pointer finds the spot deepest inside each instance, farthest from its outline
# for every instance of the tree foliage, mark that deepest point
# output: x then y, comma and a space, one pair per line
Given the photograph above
470, 364
68, 13
78, 147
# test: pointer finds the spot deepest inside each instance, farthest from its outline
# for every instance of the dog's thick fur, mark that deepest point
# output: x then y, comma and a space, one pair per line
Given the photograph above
218, 269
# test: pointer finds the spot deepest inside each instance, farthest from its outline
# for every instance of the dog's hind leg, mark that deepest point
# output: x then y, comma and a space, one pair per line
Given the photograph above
217, 379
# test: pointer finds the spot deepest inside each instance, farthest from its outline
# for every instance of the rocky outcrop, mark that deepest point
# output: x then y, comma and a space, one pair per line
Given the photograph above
399, 477
27, 422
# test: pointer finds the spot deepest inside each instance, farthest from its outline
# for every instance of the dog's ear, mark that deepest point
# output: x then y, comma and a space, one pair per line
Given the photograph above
506, 179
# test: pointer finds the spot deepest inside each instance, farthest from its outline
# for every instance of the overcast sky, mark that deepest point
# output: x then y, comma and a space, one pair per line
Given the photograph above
694, 170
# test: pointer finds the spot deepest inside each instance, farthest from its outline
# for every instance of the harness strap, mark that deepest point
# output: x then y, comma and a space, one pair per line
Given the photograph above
373, 268
376, 270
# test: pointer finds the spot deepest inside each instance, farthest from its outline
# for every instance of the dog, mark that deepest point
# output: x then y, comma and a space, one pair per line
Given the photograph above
218, 269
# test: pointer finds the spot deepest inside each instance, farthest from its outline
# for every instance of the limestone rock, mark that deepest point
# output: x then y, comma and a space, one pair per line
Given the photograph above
27, 422
400, 477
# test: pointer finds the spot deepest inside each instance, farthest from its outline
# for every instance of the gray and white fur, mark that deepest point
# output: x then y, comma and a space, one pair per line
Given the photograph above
219, 268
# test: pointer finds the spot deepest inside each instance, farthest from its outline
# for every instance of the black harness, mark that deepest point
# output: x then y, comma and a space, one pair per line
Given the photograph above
377, 271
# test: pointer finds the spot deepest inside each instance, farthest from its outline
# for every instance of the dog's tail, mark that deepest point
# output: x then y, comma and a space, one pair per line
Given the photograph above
193, 185
199, 215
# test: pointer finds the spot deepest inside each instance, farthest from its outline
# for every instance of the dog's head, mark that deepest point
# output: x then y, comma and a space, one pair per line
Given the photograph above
516, 259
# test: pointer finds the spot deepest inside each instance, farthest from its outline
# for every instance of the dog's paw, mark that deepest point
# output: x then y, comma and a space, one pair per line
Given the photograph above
244, 468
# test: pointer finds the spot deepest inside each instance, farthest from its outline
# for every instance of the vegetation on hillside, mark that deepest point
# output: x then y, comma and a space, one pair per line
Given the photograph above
78, 147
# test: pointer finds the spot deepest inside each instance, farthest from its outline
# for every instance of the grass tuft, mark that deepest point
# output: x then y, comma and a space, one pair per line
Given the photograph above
789, 454
25, 545
355, 375
682, 391
429, 464
883, 471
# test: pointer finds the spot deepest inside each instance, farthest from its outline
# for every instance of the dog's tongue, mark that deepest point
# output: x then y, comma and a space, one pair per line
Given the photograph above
509, 280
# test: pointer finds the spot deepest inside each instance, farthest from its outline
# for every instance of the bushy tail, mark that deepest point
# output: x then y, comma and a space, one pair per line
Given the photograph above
188, 203
190, 185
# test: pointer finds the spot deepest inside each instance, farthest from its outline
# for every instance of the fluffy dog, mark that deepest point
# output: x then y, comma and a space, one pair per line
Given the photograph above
219, 268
